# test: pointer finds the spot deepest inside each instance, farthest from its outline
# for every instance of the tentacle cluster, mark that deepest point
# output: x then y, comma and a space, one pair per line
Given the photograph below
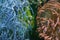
48, 21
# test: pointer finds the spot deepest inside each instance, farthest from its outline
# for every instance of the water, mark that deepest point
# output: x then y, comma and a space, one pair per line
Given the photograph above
11, 26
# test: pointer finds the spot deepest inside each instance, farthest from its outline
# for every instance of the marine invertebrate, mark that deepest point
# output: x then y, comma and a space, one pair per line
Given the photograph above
48, 20
15, 19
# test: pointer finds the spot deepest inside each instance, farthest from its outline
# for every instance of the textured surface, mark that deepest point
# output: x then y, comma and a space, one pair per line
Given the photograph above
15, 18
48, 21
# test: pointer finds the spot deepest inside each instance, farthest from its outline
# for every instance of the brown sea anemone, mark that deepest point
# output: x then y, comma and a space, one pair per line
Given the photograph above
48, 20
